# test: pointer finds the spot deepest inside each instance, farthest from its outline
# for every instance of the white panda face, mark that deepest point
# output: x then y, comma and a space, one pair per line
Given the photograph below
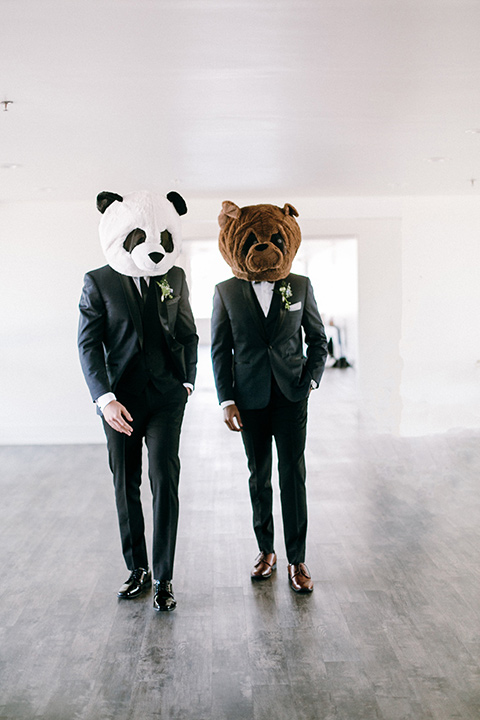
140, 233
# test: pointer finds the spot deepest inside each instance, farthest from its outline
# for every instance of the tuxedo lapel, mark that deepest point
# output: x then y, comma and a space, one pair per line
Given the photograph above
166, 308
132, 297
276, 308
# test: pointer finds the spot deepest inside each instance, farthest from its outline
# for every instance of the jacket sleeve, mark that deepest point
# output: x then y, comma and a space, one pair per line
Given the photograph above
315, 337
186, 333
90, 339
222, 349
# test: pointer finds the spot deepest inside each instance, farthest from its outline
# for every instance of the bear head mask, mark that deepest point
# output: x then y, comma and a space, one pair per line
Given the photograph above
140, 233
259, 242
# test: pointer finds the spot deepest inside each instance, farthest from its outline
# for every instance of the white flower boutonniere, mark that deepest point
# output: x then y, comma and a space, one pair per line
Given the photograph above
285, 290
167, 291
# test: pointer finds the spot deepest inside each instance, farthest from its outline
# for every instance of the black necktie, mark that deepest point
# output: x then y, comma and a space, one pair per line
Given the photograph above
144, 288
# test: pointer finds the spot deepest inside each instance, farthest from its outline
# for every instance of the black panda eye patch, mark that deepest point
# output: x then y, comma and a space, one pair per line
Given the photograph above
134, 238
167, 241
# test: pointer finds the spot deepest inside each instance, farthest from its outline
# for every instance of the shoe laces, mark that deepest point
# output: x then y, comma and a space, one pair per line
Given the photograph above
164, 585
262, 557
138, 574
300, 569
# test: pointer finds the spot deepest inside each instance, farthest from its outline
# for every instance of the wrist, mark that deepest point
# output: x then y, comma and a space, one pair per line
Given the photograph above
226, 403
104, 400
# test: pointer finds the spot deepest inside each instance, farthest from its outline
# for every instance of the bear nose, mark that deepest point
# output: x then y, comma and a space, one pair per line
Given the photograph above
156, 257
260, 247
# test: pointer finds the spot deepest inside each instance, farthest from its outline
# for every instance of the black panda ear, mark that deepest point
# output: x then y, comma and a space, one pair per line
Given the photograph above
105, 199
178, 202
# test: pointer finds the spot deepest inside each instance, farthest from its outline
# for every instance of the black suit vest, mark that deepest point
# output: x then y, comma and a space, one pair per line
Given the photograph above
269, 322
153, 363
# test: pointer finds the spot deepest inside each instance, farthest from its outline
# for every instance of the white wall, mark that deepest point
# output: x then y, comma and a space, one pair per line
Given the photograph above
419, 304
379, 314
46, 248
440, 344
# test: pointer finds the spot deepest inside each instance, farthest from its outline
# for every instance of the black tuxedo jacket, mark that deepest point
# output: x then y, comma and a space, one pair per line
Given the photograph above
110, 330
246, 350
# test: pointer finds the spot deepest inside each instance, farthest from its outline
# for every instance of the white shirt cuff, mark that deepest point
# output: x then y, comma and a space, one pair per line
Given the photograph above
103, 400
226, 403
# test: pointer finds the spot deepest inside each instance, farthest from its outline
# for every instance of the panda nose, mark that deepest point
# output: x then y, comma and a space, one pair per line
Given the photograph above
156, 257
260, 247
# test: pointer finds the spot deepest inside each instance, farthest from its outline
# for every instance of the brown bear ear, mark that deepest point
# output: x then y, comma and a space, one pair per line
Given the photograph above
229, 210
289, 210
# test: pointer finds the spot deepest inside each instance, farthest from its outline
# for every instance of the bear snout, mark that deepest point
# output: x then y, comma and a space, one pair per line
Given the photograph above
263, 256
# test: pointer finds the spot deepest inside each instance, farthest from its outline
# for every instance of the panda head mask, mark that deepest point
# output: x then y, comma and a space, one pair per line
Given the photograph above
140, 233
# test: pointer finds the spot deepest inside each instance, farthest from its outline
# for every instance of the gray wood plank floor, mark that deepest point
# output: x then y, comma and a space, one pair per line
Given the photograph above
392, 630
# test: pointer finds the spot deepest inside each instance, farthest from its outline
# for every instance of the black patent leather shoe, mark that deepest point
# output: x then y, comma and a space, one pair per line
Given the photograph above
139, 581
164, 599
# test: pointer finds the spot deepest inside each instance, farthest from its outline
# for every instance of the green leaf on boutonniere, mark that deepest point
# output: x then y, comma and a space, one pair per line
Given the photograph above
167, 291
285, 290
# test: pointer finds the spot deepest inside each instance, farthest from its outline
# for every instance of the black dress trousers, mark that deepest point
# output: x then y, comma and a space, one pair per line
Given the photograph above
157, 417
286, 423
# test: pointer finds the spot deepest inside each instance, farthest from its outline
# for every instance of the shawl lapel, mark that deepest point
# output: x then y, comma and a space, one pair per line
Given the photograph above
166, 308
276, 307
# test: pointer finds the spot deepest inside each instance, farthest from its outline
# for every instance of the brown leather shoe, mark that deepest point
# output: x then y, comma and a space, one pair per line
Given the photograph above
299, 578
265, 564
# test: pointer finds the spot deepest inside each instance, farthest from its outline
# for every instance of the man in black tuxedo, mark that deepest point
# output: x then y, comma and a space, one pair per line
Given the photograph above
263, 379
138, 350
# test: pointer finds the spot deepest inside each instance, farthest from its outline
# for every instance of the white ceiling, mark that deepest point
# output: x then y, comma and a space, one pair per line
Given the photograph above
229, 98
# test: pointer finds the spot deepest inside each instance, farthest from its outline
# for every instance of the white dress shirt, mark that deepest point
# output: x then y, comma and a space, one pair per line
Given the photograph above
264, 292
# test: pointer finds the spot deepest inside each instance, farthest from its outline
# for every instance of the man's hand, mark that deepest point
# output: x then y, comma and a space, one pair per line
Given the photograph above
115, 414
232, 418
